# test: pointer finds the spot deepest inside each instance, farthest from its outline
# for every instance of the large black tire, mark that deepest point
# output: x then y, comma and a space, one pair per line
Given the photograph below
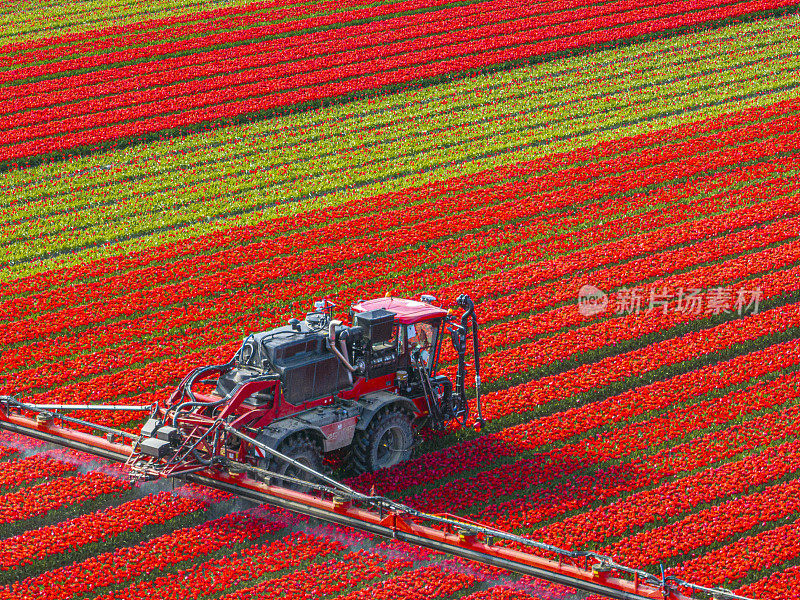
387, 441
303, 449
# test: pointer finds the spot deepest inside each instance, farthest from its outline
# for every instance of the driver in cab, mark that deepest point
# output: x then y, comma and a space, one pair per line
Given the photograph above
421, 335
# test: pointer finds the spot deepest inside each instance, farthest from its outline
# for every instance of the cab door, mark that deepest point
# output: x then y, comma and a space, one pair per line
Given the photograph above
425, 336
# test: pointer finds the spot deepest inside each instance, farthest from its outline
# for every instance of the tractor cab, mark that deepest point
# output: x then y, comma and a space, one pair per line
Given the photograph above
418, 328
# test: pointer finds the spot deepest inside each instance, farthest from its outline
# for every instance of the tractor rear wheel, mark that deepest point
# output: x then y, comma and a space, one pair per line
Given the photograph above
387, 440
305, 451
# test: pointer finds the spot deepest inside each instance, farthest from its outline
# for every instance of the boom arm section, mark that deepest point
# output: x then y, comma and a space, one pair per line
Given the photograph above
335, 502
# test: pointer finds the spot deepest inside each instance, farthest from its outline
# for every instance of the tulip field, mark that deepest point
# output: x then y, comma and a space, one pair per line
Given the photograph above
615, 184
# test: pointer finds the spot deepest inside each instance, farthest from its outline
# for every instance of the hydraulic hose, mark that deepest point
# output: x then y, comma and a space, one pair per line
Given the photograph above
465, 302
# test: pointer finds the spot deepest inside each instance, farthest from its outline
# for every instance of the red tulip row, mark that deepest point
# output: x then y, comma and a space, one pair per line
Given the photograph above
276, 230
737, 272
129, 563
733, 562
671, 499
529, 436
210, 106
499, 592
160, 23
330, 578
718, 274
214, 577
499, 305
275, 61
40, 499
711, 526
580, 492
11, 443
655, 396
65, 536
122, 82
45, 376
346, 535
477, 570
14, 473
778, 586
106, 51
510, 363
522, 588
493, 290
526, 588
617, 368
398, 549
490, 486
420, 584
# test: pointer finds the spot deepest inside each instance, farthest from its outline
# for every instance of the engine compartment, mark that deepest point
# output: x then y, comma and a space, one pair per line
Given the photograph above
300, 354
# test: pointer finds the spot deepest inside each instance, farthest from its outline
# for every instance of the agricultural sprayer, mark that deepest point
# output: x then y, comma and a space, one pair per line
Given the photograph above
260, 425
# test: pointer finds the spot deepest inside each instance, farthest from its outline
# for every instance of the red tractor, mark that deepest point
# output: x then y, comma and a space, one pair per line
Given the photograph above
314, 387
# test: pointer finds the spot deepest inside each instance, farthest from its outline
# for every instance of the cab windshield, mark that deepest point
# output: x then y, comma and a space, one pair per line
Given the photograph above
423, 335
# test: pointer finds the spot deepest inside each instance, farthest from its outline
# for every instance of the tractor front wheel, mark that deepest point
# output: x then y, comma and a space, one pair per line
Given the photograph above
387, 440
304, 450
